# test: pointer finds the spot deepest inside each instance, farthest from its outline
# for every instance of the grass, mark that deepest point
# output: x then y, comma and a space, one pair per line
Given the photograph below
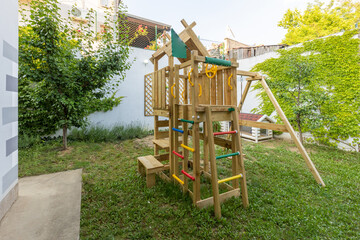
285, 201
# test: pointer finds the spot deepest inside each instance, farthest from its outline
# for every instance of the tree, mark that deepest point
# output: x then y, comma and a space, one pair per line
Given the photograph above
290, 78
318, 87
319, 20
66, 69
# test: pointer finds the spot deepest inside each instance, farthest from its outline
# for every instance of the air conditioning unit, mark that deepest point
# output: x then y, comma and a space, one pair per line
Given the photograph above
106, 3
79, 14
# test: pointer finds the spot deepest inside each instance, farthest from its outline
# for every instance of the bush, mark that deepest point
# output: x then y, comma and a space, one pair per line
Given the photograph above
26, 141
102, 134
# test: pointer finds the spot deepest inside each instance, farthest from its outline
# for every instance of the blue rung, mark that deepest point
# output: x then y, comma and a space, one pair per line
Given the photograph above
178, 130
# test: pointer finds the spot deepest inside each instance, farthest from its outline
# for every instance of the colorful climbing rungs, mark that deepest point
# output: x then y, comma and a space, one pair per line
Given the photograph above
188, 175
231, 109
228, 155
178, 154
188, 148
178, 179
230, 178
223, 133
188, 121
177, 130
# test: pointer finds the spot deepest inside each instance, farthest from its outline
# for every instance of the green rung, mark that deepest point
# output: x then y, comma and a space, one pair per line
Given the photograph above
228, 155
217, 61
188, 121
231, 109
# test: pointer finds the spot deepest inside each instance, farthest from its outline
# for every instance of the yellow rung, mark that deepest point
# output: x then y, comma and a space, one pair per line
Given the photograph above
188, 148
178, 179
230, 178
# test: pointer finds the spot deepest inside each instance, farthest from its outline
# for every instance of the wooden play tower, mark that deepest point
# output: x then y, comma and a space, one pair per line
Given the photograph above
186, 98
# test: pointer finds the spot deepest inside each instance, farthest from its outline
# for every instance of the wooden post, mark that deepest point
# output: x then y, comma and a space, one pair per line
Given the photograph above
206, 147
156, 118
243, 96
233, 83
185, 142
174, 119
171, 114
195, 129
301, 148
240, 158
214, 177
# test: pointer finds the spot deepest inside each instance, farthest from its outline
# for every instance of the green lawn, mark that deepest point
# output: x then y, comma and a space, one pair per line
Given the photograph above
285, 201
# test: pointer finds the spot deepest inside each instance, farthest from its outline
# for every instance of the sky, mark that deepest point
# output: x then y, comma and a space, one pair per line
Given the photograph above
251, 21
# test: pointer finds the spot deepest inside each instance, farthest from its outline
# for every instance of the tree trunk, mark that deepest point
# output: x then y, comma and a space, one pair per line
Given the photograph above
299, 127
65, 137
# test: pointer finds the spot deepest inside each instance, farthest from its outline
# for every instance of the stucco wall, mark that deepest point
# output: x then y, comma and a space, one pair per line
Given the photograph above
8, 103
247, 64
131, 109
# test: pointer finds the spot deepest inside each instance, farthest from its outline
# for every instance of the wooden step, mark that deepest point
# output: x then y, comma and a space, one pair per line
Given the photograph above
151, 164
164, 143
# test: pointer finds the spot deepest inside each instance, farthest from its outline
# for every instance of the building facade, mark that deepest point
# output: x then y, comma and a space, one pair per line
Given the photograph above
8, 105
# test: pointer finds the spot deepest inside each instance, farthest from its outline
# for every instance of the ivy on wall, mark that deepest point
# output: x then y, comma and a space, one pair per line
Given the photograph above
318, 82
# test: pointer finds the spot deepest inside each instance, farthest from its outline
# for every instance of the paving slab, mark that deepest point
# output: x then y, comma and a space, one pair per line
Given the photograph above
48, 207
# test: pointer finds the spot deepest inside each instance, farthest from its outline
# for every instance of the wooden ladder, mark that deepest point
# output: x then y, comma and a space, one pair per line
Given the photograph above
238, 169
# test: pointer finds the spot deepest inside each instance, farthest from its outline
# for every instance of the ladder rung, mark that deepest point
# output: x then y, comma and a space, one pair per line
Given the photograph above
230, 178
178, 154
188, 148
188, 175
177, 130
187, 121
223, 133
228, 155
178, 179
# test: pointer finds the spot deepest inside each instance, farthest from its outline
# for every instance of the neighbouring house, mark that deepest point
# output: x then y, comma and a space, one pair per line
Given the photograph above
253, 133
231, 49
154, 29
8, 105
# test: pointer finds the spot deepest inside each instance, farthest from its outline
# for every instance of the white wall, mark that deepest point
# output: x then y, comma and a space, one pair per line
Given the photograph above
131, 109
8, 99
247, 64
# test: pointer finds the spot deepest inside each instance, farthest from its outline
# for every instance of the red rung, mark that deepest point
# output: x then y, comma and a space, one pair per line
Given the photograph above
178, 154
188, 175
223, 133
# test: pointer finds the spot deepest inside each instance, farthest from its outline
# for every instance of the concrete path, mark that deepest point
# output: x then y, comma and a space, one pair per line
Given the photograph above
48, 207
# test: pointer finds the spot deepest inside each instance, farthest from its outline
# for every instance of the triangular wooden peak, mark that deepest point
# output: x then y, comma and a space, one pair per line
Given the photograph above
189, 37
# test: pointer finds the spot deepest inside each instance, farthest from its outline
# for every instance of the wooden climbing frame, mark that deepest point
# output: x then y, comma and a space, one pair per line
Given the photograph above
198, 91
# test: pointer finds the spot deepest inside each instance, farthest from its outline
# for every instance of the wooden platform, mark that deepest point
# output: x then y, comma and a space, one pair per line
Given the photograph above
164, 143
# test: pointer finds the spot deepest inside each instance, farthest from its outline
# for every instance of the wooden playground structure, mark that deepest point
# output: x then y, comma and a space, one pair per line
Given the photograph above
192, 95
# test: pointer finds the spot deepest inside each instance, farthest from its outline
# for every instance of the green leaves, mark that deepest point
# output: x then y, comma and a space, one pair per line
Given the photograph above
66, 69
319, 20
320, 83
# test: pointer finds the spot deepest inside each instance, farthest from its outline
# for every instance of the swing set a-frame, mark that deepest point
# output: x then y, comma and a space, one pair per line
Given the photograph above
186, 99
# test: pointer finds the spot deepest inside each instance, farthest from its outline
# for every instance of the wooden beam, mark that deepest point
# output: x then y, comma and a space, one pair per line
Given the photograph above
222, 197
254, 78
301, 148
244, 94
272, 126
246, 73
